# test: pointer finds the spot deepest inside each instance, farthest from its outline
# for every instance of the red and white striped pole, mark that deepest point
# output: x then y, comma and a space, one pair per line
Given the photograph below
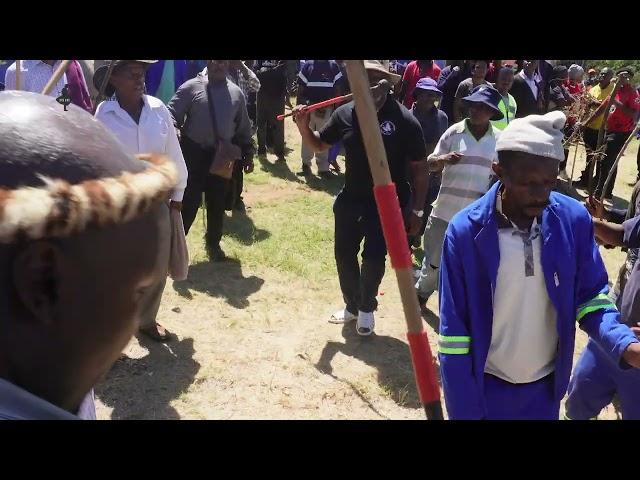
394, 234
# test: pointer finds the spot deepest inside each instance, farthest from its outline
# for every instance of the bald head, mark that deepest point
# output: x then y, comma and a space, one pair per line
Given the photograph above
37, 137
70, 286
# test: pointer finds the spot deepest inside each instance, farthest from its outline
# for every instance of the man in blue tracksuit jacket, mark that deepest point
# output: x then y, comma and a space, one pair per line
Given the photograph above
520, 267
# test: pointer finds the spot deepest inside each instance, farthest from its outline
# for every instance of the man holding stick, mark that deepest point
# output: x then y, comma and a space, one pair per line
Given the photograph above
356, 215
596, 379
619, 126
599, 94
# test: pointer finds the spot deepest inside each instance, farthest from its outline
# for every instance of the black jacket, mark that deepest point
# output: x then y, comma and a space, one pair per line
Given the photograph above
527, 103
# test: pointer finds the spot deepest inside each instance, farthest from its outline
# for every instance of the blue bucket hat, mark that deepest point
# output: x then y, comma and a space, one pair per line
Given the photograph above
489, 96
426, 83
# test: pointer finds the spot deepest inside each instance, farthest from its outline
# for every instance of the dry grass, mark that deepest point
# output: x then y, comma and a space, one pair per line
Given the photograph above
253, 338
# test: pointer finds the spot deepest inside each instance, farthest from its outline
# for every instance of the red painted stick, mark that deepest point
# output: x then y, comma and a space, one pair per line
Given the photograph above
395, 238
316, 106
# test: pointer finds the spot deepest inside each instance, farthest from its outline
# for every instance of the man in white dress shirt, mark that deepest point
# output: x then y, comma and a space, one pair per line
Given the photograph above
143, 124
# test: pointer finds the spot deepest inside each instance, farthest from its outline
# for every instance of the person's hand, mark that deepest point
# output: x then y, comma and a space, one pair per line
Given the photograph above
452, 158
632, 354
301, 115
175, 205
248, 167
415, 222
636, 330
595, 207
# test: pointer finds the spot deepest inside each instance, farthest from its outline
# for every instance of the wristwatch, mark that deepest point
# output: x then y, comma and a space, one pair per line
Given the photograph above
418, 213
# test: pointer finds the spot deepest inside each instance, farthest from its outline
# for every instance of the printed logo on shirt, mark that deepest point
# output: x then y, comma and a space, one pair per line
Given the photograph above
387, 127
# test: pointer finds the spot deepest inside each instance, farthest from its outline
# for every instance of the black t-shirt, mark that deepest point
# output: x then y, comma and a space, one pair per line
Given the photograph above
272, 75
403, 143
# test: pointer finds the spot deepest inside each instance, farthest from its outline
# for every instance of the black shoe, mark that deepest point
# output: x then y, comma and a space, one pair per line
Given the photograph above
216, 254
262, 151
306, 171
325, 174
281, 159
240, 207
581, 183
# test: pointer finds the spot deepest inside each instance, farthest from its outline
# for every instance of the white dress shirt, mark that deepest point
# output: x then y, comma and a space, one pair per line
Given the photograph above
154, 133
34, 76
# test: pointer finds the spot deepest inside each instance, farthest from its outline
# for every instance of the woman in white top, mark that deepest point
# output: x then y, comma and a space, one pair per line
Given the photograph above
143, 124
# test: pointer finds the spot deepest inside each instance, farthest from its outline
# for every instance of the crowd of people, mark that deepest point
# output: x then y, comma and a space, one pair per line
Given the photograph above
474, 148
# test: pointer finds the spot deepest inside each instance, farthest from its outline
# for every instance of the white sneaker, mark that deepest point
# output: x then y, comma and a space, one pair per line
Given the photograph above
343, 316
366, 324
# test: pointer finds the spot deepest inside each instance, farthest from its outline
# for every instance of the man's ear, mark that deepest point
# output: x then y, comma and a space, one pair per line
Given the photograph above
36, 275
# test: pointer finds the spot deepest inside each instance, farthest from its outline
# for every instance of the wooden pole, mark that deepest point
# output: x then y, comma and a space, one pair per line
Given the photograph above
18, 74
395, 238
55, 77
105, 82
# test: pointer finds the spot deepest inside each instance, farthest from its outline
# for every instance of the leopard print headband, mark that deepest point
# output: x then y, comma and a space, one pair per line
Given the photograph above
59, 209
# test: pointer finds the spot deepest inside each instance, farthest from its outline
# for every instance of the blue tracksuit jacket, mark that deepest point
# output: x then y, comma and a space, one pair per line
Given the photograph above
576, 281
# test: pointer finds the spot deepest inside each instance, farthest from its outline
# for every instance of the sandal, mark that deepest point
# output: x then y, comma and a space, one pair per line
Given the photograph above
157, 333
343, 316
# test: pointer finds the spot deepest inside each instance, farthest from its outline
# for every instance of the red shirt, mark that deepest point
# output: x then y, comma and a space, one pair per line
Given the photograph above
574, 88
492, 73
619, 121
411, 76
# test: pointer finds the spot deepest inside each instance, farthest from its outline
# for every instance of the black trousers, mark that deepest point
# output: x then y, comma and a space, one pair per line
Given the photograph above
234, 192
590, 137
200, 181
251, 106
269, 107
356, 220
615, 141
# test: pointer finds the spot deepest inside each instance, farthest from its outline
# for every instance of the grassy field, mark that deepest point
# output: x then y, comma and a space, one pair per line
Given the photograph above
252, 334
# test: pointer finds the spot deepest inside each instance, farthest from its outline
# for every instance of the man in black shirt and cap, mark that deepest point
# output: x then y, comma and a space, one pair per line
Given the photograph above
356, 215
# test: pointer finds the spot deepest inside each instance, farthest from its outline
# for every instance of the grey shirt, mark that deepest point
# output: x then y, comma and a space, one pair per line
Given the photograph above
189, 108
18, 404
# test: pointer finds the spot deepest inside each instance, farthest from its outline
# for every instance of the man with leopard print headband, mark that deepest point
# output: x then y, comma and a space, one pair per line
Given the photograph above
79, 228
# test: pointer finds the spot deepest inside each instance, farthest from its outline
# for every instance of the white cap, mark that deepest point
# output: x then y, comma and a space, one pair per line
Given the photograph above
535, 134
